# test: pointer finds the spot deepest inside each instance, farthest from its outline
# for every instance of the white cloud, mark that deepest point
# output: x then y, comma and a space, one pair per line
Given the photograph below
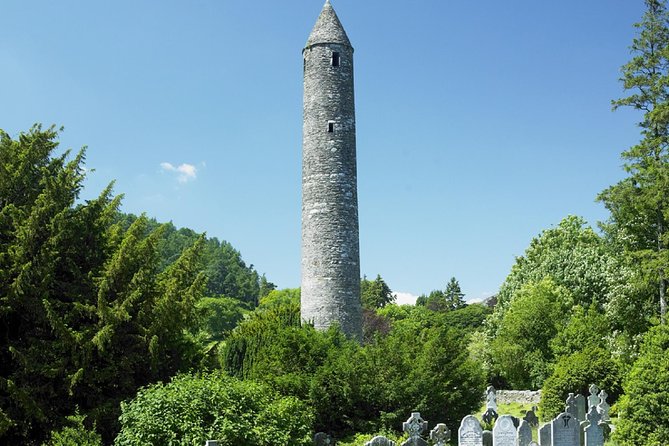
185, 172
405, 298
480, 299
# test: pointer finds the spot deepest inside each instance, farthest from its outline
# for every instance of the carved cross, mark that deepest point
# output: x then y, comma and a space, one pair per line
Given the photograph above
440, 435
415, 425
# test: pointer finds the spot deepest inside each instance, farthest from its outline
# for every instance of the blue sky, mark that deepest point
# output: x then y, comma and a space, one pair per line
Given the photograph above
479, 123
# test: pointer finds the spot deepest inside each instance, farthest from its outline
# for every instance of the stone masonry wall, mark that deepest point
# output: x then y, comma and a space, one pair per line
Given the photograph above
330, 245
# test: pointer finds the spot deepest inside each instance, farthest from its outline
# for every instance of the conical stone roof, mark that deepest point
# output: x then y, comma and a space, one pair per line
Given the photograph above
328, 28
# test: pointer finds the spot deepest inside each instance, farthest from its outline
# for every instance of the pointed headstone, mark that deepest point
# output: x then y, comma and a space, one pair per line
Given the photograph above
523, 434
504, 432
570, 406
565, 430
594, 434
545, 438
593, 398
491, 398
603, 407
440, 435
470, 432
580, 407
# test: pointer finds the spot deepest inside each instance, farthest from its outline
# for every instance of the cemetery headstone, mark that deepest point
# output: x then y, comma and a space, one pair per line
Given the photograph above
323, 439
570, 406
565, 430
487, 438
504, 432
440, 435
545, 438
491, 398
593, 398
414, 426
533, 443
523, 434
580, 407
594, 434
603, 407
211, 443
470, 432
380, 441
531, 417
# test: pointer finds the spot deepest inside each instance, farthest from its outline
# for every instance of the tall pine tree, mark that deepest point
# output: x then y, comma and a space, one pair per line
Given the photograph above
639, 204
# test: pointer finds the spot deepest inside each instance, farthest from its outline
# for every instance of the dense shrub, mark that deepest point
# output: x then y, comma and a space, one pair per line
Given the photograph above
574, 374
421, 364
193, 408
644, 409
74, 434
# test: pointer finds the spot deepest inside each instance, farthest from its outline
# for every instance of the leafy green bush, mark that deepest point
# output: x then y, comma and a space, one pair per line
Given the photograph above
521, 350
74, 434
193, 408
574, 374
644, 408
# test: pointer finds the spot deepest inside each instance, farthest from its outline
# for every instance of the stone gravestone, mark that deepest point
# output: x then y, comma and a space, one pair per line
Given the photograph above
211, 443
323, 439
504, 432
414, 426
524, 434
470, 432
380, 441
533, 443
594, 434
531, 417
580, 407
566, 430
440, 435
491, 398
603, 407
487, 438
545, 438
593, 399
570, 406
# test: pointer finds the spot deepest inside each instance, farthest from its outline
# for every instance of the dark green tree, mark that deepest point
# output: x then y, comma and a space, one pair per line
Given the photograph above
87, 314
639, 204
375, 293
454, 295
646, 389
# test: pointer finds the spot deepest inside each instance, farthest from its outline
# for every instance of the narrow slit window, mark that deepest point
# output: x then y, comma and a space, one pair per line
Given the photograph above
331, 126
335, 59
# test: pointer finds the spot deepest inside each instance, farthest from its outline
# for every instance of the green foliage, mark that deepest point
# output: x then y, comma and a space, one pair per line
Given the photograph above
217, 316
227, 274
450, 299
521, 349
375, 293
639, 204
574, 374
287, 296
574, 257
74, 434
585, 329
194, 408
88, 309
643, 409
421, 364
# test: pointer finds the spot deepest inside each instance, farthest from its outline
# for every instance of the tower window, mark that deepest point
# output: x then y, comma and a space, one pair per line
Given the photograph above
335, 59
331, 126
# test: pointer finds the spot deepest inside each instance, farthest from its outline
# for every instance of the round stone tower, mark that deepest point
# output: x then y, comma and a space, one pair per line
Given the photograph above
330, 248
